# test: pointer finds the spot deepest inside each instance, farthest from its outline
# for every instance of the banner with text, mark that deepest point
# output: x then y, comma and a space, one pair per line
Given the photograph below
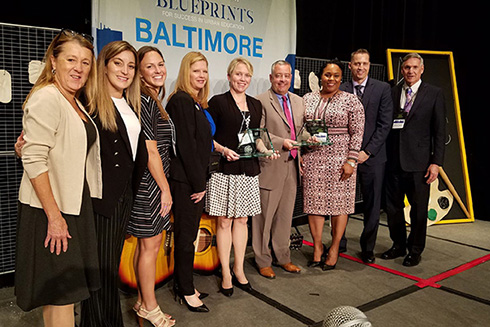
262, 31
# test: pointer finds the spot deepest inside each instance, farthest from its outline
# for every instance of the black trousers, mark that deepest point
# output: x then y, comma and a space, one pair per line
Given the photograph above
414, 186
371, 179
103, 308
187, 216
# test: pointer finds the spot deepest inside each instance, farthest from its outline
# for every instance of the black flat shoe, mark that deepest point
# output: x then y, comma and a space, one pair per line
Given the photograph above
411, 260
367, 257
393, 253
226, 291
244, 287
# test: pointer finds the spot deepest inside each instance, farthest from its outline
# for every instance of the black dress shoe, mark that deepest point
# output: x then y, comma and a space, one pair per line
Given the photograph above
412, 260
367, 257
393, 253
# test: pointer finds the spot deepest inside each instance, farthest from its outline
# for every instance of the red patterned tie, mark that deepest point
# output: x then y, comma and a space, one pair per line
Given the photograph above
293, 152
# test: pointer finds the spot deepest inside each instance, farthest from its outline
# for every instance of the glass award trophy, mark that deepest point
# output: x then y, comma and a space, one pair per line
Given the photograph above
254, 142
313, 132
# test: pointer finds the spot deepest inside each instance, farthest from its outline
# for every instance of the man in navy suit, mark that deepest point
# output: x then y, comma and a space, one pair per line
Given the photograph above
415, 148
378, 109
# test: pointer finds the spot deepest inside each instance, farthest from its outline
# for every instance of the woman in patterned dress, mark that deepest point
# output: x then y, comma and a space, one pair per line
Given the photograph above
233, 192
150, 213
329, 173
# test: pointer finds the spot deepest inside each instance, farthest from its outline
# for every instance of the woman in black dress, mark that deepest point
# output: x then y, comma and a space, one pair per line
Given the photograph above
56, 255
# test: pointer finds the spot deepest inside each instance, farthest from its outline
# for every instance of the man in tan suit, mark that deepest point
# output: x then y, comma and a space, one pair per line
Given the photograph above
278, 178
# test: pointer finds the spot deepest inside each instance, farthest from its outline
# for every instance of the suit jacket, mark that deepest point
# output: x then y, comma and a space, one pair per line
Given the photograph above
193, 142
229, 120
378, 113
274, 119
118, 166
422, 140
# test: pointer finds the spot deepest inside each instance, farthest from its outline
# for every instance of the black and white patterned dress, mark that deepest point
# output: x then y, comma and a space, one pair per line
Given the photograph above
234, 191
145, 218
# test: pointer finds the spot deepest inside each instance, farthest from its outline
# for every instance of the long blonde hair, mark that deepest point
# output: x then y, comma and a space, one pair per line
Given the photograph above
56, 47
183, 79
144, 87
104, 107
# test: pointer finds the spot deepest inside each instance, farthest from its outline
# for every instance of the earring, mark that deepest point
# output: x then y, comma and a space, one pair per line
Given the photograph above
53, 71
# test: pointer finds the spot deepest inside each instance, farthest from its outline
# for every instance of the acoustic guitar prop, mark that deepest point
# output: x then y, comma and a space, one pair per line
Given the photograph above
164, 265
440, 203
205, 259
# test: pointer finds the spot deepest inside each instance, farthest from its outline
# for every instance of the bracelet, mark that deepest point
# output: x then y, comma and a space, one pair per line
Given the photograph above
352, 164
223, 152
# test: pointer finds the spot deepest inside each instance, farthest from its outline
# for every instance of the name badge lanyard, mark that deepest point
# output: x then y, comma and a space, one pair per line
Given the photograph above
399, 121
245, 121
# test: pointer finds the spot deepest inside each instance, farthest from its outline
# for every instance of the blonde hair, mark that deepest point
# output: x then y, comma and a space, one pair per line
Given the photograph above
104, 107
56, 47
183, 79
144, 87
235, 62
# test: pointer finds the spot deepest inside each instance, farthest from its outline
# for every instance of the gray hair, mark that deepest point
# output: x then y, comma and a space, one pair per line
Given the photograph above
280, 63
413, 55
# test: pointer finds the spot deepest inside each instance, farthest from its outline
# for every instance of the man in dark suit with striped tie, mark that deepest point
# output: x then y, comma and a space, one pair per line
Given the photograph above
378, 111
415, 148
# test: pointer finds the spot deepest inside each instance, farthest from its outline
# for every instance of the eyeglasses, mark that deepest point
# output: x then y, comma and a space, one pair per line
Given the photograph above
69, 32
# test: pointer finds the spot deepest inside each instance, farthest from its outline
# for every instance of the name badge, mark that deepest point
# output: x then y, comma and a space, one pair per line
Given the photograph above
398, 123
322, 137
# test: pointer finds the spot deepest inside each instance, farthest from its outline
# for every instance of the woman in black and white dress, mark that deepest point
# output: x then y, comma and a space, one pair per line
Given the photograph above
150, 213
233, 192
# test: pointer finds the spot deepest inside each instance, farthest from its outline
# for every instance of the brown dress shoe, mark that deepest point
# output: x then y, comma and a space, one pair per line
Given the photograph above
267, 272
291, 267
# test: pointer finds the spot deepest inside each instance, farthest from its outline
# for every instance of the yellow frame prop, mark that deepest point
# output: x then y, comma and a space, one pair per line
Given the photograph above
468, 210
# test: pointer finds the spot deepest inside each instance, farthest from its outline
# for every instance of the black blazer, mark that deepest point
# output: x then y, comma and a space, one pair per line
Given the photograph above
422, 140
378, 113
193, 142
118, 166
228, 120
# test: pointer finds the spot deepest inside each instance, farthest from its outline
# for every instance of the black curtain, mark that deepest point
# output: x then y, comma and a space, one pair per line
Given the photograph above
333, 29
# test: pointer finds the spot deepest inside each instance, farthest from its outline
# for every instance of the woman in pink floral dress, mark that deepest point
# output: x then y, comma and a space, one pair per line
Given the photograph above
329, 172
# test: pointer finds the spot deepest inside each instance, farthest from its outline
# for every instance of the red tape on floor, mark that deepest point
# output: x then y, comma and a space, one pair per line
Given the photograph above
429, 282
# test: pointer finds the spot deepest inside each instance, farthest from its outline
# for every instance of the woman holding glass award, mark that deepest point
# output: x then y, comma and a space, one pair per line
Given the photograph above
329, 172
233, 191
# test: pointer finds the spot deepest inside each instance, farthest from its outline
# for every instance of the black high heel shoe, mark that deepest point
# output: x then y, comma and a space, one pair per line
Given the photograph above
327, 266
320, 263
245, 287
203, 295
225, 291
181, 299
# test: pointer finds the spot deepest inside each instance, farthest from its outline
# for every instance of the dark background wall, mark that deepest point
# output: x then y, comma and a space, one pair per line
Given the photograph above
329, 29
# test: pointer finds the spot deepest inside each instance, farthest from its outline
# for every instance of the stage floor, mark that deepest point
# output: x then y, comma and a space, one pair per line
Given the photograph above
450, 287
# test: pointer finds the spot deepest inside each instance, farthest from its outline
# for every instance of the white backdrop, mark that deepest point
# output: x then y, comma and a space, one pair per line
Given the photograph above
260, 30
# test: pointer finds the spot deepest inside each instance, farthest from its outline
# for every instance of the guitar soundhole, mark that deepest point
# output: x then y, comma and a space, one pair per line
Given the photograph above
205, 239
443, 202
